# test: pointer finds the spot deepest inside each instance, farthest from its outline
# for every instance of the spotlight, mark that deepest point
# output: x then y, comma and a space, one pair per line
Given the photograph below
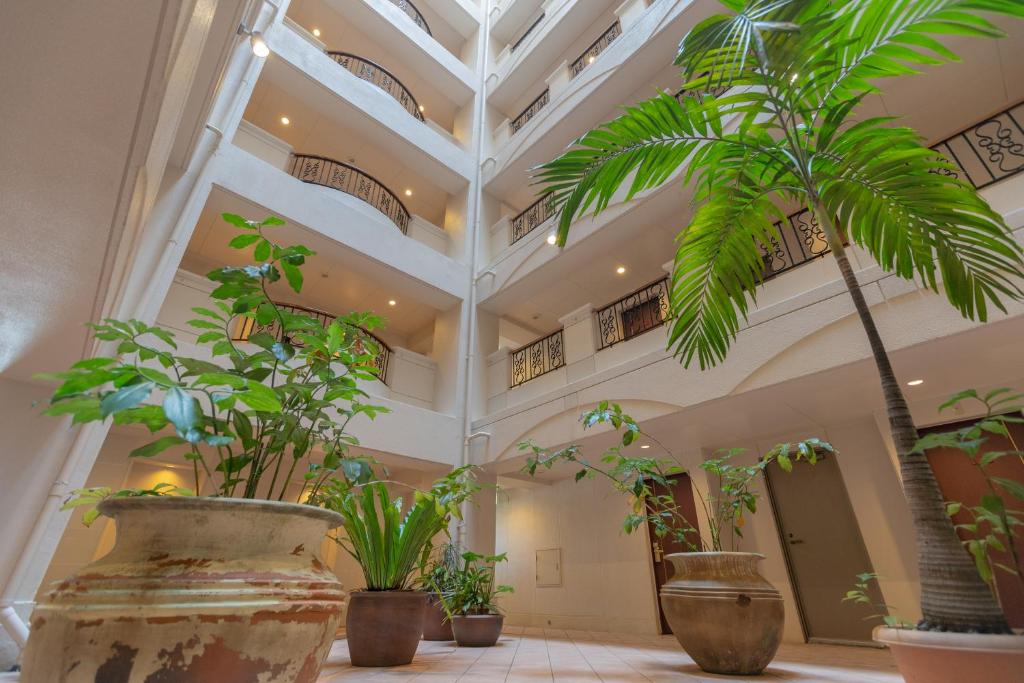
915, 382
259, 45
621, 270
552, 239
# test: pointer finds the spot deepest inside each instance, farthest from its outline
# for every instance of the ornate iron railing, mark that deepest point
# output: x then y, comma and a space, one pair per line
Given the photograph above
596, 48
717, 92
537, 358
530, 111
249, 326
632, 315
337, 175
988, 151
413, 13
380, 77
532, 217
801, 239
528, 32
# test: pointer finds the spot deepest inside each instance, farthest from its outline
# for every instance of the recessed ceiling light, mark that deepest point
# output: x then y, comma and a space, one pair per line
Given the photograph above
392, 302
422, 108
591, 60
285, 120
316, 32
646, 445
915, 382
408, 193
620, 270
552, 239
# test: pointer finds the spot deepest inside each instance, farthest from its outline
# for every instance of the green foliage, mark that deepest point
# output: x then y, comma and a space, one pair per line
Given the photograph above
473, 588
787, 132
646, 480
261, 408
993, 524
94, 496
439, 574
388, 544
861, 595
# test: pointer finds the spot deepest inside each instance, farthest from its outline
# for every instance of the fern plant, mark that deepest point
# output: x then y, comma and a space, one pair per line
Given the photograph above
786, 131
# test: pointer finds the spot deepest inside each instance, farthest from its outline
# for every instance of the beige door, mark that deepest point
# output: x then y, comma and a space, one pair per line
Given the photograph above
824, 550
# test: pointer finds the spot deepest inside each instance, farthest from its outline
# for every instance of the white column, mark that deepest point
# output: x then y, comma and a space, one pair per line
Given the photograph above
578, 342
558, 81
498, 376
630, 11
422, 230
480, 514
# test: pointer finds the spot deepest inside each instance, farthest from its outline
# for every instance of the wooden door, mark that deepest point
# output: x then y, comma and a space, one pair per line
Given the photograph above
960, 481
682, 491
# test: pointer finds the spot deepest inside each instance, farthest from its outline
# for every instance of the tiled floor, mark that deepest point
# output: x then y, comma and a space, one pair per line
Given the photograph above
534, 654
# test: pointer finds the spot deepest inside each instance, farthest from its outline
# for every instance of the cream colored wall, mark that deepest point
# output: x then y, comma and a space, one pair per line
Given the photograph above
607, 581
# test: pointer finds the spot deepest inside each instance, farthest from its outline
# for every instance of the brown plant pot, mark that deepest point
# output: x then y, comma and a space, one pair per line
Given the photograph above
436, 625
725, 615
383, 628
935, 657
477, 630
194, 589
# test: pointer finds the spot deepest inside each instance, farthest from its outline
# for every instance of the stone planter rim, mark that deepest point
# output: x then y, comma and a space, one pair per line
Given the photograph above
716, 553
478, 616
110, 507
948, 640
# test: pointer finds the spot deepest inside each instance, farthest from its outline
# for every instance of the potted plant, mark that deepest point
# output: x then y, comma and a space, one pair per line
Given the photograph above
769, 116
201, 587
384, 622
724, 614
439, 579
471, 605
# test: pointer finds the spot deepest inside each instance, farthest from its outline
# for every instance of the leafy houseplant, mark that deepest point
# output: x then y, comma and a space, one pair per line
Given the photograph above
785, 131
251, 419
472, 602
439, 579
384, 623
725, 615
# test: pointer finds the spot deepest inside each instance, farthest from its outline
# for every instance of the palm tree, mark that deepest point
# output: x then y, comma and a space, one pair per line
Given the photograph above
784, 130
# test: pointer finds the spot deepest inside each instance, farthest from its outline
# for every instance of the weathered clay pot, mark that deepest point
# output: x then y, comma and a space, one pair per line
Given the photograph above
477, 630
436, 625
724, 614
934, 657
384, 628
204, 590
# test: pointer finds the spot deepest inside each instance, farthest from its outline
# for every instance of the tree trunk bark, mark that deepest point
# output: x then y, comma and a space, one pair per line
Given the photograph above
953, 595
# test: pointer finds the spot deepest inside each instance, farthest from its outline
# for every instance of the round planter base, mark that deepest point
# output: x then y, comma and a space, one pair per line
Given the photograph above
436, 625
477, 630
935, 657
384, 628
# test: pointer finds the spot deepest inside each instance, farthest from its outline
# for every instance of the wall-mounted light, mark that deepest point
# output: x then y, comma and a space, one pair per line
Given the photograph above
259, 45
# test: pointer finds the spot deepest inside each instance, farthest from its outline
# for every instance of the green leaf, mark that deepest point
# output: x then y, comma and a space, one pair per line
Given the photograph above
245, 240
260, 397
238, 221
125, 397
155, 447
293, 274
181, 409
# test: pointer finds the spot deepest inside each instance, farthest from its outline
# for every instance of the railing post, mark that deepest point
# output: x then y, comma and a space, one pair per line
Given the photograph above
558, 80
579, 341
499, 377
502, 133
630, 11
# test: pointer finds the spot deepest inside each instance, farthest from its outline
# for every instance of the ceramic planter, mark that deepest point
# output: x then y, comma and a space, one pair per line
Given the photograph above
384, 628
725, 615
436, 625
195, 589
935, 657
477, 630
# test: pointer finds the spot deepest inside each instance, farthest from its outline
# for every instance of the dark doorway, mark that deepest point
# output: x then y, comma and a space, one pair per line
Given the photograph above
682, 491
824, 550
960, 481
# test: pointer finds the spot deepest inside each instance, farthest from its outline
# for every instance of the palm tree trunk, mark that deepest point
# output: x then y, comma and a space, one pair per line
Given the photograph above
953, 595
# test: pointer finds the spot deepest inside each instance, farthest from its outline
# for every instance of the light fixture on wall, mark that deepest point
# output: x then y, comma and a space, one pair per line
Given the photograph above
259, 45
915, 382
316, 32
285, 120
621, 270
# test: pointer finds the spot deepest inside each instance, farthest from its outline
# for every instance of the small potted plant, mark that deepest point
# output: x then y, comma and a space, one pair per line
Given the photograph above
439, 579
724, 614
471, 605
234, 575
384, 622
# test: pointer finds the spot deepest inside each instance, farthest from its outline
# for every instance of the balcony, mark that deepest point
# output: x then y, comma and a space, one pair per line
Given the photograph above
382, 78
595, 49
537, 358
641, 311
413, 13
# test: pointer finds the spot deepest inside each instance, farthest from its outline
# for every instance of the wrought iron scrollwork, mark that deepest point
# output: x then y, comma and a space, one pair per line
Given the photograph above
596, 48
413, 13
380, 77
989, 151
641, 311
532, 217
537, 358
530, 111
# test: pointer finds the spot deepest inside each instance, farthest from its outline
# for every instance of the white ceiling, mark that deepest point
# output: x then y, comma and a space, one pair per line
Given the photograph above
337, 280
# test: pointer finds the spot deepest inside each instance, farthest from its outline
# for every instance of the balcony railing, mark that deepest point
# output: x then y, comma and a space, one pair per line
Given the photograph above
989, 151
596, 48
413, 13
537, 358
249, 326
632, 315
801, 239
341, 176
528, 32
530, 111
380, 77
534, 216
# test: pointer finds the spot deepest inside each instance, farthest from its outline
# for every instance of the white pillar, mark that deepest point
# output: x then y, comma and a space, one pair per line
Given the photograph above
498, 377
630, 11
579, 343
480, 515
558, 80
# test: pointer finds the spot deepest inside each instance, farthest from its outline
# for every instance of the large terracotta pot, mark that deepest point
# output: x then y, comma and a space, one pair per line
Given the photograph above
935, 657
724, 614
436, 625
384, 628
477, 630
204, 590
